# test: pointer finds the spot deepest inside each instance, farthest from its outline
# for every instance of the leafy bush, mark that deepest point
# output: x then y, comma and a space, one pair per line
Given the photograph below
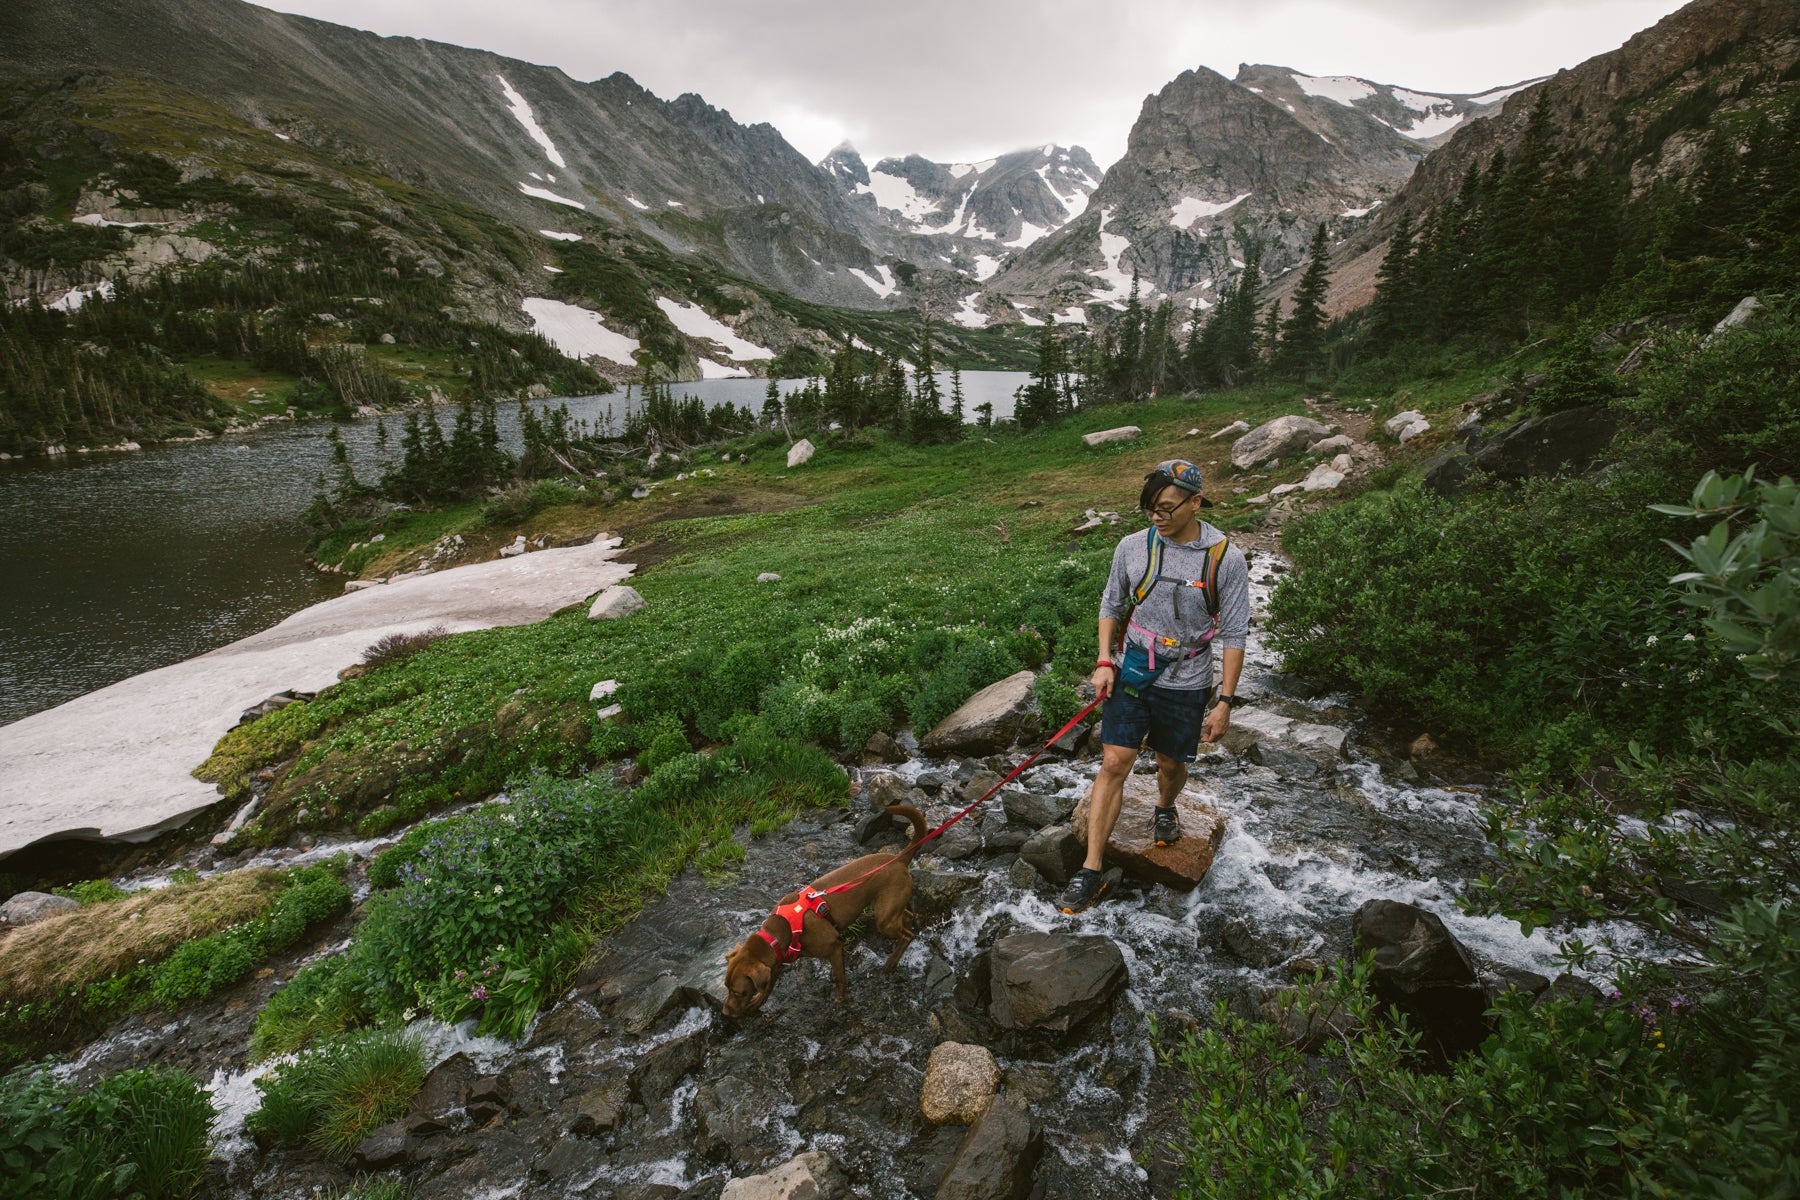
1732, 402
523, 501
337, 1093
91, 891
317, 1002
141, 1133
398, 647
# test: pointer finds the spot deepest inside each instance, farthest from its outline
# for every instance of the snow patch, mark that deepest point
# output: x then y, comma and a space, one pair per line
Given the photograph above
553, 270
1076, 202
101, 222
1112, 246
1189, 209
897, 195
883, 287
695, 321
75, 297
521, 112
985, 266
560, 236
1025, 316
1341, 88
968, 315
1501, 93
712, 370
636, 203
1028, 233
577, 332
547, 194
958, 170
1432, 126
1420, 104
1076, 315
284, 137
674, 204
983, 166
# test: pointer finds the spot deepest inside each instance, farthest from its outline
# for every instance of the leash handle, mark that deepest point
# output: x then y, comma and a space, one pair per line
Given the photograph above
1014, 774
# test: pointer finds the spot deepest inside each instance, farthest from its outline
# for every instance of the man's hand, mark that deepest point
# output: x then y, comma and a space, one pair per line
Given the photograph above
1104, 677
1216, 723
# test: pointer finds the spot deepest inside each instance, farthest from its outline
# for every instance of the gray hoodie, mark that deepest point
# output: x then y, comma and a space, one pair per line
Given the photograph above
1177, 611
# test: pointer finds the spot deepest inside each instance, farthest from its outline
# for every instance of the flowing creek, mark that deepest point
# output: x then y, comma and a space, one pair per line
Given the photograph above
711, 1099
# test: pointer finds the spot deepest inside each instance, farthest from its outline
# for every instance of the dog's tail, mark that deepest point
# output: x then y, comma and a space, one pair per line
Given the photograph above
919, 830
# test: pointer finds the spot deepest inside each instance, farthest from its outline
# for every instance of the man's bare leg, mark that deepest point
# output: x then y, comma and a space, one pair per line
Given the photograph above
1171, 777
1104, 800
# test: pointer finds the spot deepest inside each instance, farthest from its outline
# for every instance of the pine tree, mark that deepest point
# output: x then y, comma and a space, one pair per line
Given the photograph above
771, 405
1391, 313
1039, 401
1302, 336
956, 396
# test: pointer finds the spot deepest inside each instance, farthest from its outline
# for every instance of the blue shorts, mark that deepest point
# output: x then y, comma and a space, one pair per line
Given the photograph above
1172, 718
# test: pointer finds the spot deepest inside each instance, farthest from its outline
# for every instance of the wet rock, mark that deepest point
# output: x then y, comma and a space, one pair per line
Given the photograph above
883, 748
1056, 853
1132, 847
702, 979
730, 1116
987, 722
1022, 875
1052, 981
812, 1176
385, 1147
643, 1009
998, 1157
442, 1092
960, 1080
1259, 943
601, 1109
659, 1071
1423, 970
979, 784
1423, 747
614, 602
486, 1098
1502, 979
1035, 810
707, 1189
800, 452
26, 908
1294, 749
658, 1191
957, 842
1123, 433
567, 1158
937, 892
882, 788
878, 825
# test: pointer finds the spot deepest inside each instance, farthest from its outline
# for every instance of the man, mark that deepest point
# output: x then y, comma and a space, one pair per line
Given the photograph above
1197, 596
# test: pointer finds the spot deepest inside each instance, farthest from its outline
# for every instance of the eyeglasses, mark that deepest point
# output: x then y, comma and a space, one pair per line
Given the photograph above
1165, 512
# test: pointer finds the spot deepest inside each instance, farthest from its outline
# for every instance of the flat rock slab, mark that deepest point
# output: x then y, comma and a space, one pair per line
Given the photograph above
1123, 433
814, 1175
1132, 849
115, 763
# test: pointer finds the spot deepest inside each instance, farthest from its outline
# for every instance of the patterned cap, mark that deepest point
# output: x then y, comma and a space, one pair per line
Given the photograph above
1182, 473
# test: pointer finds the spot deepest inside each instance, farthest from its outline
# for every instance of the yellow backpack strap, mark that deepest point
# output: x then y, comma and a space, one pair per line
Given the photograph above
1151, 572
1214, 555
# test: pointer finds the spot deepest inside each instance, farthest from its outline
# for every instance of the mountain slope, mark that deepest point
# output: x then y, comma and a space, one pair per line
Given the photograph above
519, 140
1214, 165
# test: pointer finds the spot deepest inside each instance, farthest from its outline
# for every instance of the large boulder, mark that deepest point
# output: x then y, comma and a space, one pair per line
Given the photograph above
801, 451
814, 1175
937, 892
997, 1158
1132, 848
1395, 425
28, 907
620, 600
1323, 478
1275, 439
987, 722
1052, 981
1563, 442
1123, 433
960, 1080
1424, 971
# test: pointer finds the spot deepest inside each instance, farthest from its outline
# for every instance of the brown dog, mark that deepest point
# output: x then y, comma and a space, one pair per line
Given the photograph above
884, 885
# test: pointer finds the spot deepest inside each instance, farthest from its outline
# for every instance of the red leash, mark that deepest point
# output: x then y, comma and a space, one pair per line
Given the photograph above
1014, 774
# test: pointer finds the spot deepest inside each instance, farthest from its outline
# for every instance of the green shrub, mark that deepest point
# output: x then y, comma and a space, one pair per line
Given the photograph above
521, 502
1733, 403
91, 891
317, 1002
203, 966
952, 664
140, 1133
340, 1091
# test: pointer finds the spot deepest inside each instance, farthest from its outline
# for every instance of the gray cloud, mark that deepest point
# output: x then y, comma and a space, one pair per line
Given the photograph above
962, 79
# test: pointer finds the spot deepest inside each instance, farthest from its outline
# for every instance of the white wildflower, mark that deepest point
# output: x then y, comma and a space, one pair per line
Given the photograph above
1651, 640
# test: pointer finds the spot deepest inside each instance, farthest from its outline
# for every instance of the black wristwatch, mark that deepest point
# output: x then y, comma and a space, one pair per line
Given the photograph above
1228, 701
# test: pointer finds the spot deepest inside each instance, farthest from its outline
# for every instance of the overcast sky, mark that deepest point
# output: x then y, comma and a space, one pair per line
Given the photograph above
959, 80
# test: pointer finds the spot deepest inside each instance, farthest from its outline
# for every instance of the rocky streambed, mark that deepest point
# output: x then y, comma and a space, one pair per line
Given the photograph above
633, 1085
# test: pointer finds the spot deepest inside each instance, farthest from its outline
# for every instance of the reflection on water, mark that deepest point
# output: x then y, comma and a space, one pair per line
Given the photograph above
115, 564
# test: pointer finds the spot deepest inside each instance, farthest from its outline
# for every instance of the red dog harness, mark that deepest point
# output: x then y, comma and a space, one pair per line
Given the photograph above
795, 915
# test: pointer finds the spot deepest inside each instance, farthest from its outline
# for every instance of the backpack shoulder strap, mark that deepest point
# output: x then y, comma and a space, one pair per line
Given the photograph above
1152, 571
1215, 554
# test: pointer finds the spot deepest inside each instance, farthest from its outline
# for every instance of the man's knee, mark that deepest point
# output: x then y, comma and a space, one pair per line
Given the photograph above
1117, 760
1169, 766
